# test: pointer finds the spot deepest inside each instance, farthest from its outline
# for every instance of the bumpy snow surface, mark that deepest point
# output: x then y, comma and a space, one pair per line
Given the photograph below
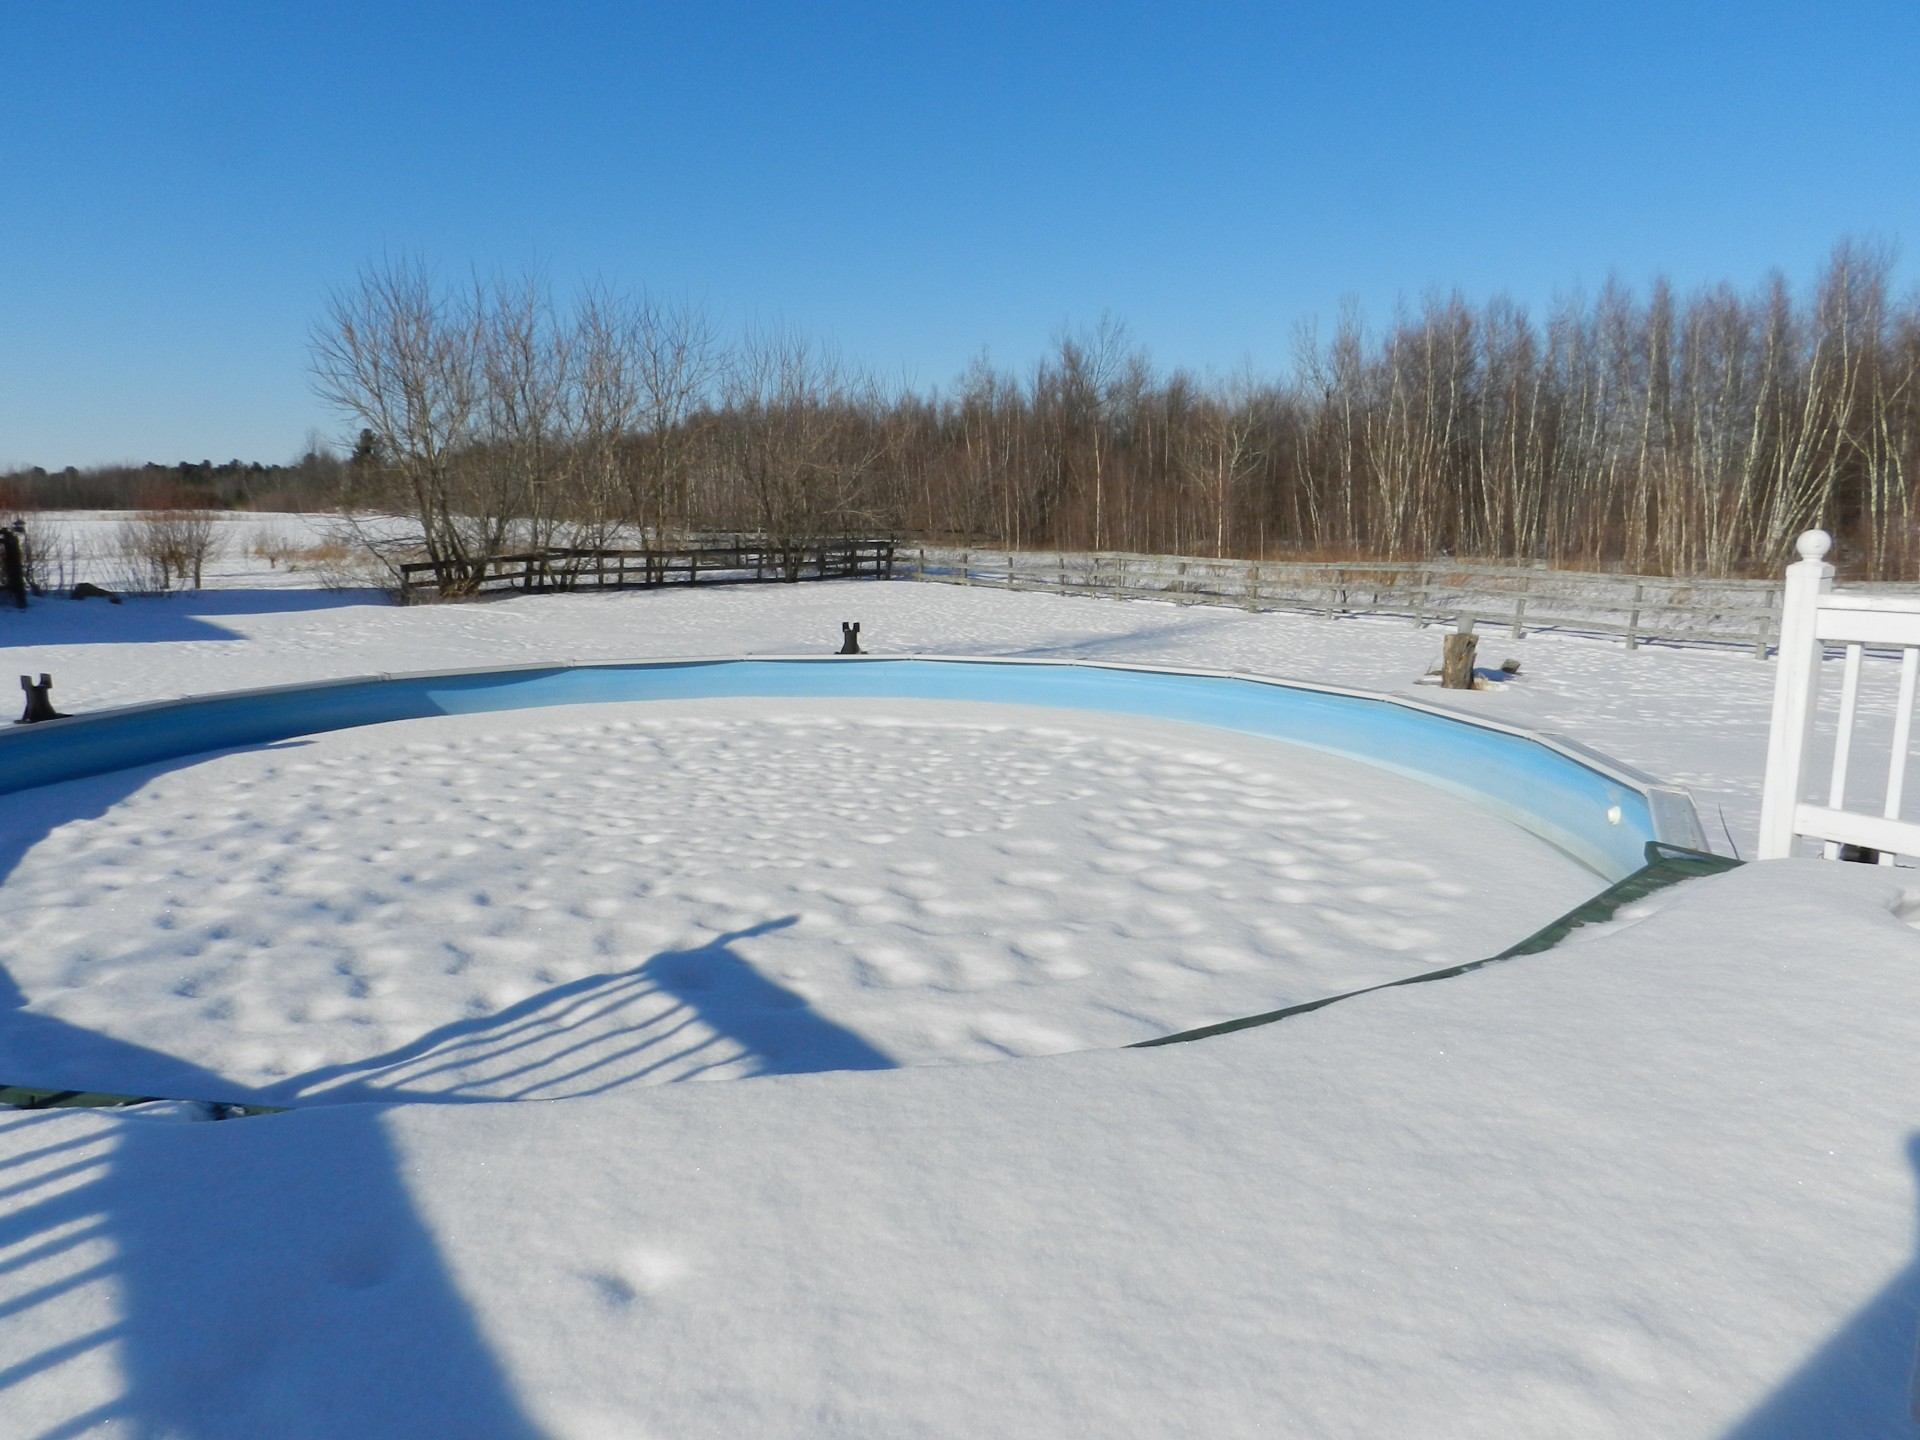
548, 903
1657, 1181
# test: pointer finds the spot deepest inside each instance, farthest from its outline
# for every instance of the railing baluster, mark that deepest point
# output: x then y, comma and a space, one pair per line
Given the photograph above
1843, 739
1902, 735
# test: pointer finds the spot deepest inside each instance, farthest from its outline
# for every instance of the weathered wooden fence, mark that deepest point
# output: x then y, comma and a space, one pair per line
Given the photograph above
731, 562
1519, 599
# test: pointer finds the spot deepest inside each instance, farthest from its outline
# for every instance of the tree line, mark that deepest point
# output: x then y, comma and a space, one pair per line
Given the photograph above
1658, 432
311, 483
1664, 433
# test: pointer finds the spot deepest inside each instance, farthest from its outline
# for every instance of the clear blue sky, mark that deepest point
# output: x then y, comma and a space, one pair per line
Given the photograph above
182, 183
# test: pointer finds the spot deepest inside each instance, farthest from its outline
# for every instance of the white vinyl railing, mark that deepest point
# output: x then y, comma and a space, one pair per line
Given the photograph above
1813, 617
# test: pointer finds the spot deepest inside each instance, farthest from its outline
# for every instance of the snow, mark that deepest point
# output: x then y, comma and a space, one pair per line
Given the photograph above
885, 883
1659, 1180
1693, 716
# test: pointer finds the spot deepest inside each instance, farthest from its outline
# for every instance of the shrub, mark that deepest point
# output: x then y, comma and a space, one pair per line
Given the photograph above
160, 549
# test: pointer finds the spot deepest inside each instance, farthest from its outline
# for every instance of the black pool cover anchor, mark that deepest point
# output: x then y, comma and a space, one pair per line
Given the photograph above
39, 701
850, 638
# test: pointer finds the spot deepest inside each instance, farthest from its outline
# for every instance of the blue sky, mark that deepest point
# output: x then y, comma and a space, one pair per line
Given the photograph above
181, 184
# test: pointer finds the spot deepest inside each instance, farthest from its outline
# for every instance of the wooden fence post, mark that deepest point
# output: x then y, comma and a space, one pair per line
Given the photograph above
1633, 617
1520, 608
1766, 626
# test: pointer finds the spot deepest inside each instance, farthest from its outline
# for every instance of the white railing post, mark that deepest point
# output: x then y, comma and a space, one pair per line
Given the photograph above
1796, 693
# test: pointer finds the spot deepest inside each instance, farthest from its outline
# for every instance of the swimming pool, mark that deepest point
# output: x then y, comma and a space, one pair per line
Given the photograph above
1598, 811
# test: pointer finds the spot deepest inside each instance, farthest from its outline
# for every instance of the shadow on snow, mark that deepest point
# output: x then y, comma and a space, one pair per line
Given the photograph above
1863, 1381
247, 1281
298, 1294
40, 1050
680, 1015
252, 1278
184, 615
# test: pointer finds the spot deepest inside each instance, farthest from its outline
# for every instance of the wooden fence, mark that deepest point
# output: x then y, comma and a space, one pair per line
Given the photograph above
731, 562
1518, 599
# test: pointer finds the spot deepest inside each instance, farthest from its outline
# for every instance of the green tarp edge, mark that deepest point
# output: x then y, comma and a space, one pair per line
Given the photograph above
25, 1097
1666, 865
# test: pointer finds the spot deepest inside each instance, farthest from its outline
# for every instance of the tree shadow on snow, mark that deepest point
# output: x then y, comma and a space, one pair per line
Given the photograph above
29, 816
185, 615
1127, 644
1862, 1382
42, 1051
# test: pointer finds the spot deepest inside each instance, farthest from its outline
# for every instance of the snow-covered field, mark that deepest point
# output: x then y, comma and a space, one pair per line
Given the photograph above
1654, 1182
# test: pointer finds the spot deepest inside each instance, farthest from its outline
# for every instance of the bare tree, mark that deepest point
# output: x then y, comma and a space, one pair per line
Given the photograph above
162, 549
510, 485
798, 440
402, 362
677, 360
1688, 433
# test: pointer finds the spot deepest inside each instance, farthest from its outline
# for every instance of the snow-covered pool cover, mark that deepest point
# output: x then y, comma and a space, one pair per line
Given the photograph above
1598, 811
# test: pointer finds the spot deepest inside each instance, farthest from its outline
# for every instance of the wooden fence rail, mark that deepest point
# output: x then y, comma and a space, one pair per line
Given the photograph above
1516, 598
733, 562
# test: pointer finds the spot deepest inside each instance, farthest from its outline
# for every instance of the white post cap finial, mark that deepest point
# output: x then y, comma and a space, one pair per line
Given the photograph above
1814, 545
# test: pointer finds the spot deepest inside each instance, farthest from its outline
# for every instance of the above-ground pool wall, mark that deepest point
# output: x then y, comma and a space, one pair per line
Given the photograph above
1602, 814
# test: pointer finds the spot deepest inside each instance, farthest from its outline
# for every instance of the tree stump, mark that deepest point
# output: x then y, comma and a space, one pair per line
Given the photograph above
1456, 663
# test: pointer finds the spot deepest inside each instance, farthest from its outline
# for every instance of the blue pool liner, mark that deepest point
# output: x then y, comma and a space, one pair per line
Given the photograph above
1595, 809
